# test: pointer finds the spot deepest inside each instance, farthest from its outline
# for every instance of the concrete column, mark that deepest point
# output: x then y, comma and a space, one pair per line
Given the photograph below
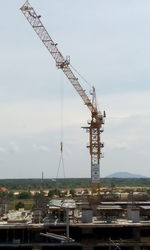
23, 236
136, 234
37, 248
137, 247
87, 247
7, 237
28, 236
136, 237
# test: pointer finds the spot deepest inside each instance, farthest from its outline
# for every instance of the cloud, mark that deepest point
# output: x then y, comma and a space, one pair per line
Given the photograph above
121, 146
2, 150
32, 117
13, 147
41, 148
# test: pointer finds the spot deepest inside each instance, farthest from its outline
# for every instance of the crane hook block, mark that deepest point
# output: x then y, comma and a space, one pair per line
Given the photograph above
104, 114
61, 146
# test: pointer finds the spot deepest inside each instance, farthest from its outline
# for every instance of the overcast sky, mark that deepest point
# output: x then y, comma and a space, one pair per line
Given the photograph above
109, 44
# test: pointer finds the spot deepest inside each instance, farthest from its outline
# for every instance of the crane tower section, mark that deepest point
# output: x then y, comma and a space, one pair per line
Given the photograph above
97, 118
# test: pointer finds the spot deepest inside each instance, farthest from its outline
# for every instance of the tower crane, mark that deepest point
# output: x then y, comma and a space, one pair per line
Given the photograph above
95, 126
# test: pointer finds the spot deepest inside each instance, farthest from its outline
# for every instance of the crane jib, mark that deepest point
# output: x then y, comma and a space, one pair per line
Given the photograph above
61, 62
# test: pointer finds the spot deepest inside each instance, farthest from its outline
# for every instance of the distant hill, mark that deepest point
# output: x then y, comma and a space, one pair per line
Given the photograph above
125, 175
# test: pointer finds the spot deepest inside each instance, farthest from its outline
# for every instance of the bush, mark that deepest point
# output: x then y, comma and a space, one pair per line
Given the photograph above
24, 195
72, 192
19, 205
53, 192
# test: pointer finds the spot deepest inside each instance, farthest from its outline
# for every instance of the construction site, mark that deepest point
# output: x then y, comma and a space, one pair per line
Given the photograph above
83, 223
71, 224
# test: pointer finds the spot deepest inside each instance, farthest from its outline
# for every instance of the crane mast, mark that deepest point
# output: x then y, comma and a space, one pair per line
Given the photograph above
97, 118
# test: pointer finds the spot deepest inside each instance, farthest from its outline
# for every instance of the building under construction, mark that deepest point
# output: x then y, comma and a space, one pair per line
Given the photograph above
70, 224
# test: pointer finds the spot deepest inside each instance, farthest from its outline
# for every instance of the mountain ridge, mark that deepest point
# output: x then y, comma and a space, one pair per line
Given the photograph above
125, 175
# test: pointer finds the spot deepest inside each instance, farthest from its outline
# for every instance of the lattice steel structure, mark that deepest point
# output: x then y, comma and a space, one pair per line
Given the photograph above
95, 126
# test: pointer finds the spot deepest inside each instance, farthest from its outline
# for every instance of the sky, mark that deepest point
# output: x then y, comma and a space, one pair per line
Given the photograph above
109, 44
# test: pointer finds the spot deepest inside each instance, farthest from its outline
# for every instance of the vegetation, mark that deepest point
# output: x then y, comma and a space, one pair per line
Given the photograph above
24, 195
19, 205
53, 192
31, 193
70, 183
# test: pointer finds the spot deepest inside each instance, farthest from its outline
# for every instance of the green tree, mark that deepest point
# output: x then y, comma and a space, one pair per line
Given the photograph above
10, 195
55, 191
24, 195
72, 192
19, 205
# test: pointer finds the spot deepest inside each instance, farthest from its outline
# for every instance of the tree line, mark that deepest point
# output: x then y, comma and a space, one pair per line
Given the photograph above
70, 183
